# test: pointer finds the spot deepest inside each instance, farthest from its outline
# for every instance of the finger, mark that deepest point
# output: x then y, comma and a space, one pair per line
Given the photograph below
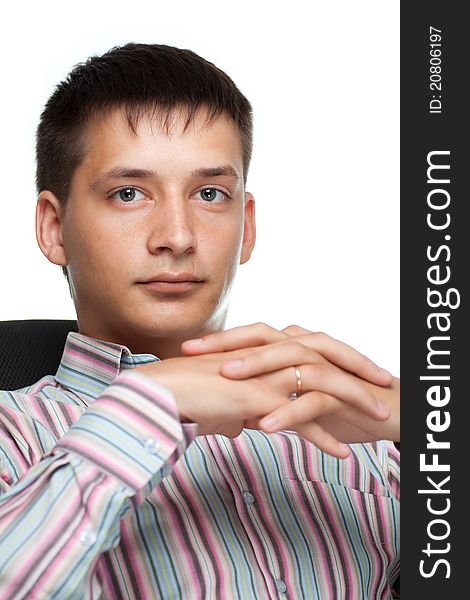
335, 351
257, 334
313, 432
346, 357
266, 359
315, 376
345, 387
324, 441
341, 355
356, 362
296, 330
310, 430
307, 407
255, 399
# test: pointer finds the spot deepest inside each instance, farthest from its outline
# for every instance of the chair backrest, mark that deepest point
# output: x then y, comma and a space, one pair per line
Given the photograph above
31, 349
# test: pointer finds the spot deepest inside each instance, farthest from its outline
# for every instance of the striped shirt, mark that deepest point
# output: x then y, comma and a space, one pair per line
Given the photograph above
105, 494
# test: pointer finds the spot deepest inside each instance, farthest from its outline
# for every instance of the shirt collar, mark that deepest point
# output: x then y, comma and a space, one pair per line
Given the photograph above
89, 365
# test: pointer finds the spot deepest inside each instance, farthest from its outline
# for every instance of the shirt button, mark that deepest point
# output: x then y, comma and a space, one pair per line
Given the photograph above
6, 477
166, 470
248, 498
151, 446
281, 586
88, 537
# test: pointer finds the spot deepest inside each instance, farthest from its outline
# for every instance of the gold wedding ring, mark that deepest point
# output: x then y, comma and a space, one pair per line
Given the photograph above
298, 377
299, 380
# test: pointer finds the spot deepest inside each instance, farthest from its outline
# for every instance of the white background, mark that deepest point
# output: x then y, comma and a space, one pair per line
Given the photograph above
323, 79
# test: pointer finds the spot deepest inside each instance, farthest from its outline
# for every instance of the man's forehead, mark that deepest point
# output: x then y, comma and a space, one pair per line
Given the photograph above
114, 143
159, 120
114, 151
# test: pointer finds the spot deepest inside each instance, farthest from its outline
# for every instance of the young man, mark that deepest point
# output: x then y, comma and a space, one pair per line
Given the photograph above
116, 480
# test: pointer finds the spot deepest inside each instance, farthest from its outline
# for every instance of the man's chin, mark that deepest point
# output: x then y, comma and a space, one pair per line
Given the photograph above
156, 326
184, 317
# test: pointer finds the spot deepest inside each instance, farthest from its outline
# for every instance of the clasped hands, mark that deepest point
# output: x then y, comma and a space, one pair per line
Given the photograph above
243, 377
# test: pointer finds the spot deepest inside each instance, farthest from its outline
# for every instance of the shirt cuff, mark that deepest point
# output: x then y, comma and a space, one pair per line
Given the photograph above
131, 431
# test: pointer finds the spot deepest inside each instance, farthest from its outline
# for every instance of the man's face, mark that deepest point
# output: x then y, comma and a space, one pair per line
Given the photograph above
152, 242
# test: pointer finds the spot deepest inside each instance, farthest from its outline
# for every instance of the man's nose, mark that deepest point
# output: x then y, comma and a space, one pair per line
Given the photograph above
172, 227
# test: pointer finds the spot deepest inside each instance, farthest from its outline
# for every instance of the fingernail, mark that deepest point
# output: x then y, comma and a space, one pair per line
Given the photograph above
383, 408
196, 342
270, 423
344, 447
384, 372
233, 365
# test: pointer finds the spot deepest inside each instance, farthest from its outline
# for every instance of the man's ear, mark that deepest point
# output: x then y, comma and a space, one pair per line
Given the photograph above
249, 229
49, 213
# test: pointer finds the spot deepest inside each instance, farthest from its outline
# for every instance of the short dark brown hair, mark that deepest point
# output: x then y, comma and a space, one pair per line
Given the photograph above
137, 78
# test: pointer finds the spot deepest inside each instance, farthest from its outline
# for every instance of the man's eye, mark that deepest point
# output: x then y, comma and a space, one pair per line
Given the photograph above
128, 194
210, 194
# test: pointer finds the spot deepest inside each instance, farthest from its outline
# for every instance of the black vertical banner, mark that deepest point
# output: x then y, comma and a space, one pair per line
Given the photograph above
435, 258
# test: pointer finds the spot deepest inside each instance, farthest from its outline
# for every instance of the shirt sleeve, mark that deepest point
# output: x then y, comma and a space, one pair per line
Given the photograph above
65, 509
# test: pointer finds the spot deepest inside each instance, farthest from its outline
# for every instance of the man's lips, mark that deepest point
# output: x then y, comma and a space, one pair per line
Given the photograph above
172, 282
173, 278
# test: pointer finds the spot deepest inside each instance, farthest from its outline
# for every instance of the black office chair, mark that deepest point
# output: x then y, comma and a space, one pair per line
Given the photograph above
31, 349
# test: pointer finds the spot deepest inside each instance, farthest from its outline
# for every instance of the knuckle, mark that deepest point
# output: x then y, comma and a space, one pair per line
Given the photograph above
369, 398
316, 370
296, 349
293, 330
290, 415
256, 389
322, 402
296, 345
263, 329
243, 405
312, 356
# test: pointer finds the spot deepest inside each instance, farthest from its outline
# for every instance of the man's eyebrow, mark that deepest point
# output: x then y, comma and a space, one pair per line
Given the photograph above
121, 173
125, 173
226, 170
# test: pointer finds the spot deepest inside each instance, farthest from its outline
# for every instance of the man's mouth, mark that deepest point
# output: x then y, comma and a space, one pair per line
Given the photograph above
172, 282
